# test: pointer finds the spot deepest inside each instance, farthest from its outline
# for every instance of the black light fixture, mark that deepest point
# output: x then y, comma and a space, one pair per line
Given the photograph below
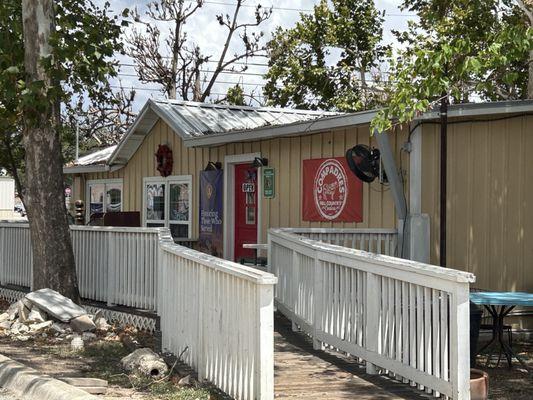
260, 162
213, 166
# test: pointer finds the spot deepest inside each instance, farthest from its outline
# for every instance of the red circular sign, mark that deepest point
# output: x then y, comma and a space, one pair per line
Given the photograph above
330, 189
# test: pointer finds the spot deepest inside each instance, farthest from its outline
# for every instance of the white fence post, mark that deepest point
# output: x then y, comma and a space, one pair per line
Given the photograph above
460, 342
318, 303
201, 334
265, 351
295, 289
111, 269
372, 318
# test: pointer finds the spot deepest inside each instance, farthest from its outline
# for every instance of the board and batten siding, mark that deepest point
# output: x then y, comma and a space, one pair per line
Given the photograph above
490, 199
284, 154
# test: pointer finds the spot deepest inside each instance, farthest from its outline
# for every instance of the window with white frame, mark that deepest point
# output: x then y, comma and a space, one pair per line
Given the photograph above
103, 195
167, 203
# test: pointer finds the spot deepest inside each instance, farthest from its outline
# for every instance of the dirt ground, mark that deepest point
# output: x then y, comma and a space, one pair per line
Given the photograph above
100, 358
510, 384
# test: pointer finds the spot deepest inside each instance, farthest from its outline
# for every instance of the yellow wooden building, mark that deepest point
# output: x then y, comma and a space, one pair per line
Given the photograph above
490, 196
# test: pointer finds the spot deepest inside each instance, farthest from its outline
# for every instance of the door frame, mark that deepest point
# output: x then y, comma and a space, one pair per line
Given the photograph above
229, 200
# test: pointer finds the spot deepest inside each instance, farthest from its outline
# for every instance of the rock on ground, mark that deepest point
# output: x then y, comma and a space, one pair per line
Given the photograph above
83, 323
146, 362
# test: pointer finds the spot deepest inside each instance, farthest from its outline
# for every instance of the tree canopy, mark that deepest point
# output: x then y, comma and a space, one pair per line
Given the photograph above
457, 50
329, 59
82, 46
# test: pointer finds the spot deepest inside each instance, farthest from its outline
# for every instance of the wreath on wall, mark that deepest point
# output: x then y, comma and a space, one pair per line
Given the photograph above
163, 159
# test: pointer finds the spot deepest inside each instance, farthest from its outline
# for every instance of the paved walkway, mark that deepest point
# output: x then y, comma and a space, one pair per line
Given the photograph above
303, 373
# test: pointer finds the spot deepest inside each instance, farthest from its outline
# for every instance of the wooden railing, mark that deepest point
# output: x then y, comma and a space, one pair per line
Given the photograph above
380, 241
408, 319
220, 315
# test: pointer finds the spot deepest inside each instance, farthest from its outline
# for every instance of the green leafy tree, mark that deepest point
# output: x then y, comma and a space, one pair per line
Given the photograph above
51, 53
85, 38
326, 59
446, 59
235, 96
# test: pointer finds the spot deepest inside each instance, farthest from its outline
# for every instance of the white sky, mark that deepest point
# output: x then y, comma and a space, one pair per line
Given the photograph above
204, 30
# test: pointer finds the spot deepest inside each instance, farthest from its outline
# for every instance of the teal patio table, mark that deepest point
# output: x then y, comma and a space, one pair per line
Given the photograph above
499, 305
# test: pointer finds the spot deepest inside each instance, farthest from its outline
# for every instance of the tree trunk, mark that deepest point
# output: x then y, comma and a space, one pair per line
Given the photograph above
53, 257
530, 76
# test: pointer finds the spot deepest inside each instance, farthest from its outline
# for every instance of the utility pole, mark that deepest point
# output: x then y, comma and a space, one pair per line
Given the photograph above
77, 140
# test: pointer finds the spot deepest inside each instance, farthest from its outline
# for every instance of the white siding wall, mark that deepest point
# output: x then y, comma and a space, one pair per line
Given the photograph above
7, 197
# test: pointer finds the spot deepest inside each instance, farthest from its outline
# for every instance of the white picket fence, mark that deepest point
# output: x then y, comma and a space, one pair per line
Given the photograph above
114, 265
15, 254
374, 240
117, 265
220, 314
408, 319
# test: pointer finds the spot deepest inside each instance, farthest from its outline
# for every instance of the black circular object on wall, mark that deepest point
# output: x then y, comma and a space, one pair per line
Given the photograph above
364, 162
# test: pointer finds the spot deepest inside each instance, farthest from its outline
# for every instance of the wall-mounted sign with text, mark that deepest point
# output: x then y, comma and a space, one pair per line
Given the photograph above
248, 187
269, 183
330, 192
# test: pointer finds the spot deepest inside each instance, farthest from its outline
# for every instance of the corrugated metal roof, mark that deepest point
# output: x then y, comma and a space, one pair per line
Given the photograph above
198, 119
98, 157
192, 120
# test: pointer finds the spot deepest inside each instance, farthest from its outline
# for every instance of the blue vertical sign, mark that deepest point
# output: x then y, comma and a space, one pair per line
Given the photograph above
210, 240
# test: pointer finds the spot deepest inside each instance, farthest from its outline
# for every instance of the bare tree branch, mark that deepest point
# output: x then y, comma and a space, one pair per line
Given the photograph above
177, 67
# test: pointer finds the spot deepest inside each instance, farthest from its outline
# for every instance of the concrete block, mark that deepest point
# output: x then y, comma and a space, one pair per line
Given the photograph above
55, 304
82, 324
32, 385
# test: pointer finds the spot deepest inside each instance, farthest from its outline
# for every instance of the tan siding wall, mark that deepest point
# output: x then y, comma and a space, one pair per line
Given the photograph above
284, 154
490, 200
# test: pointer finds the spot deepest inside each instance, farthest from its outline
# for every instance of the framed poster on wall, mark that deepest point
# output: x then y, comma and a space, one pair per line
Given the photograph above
330, 192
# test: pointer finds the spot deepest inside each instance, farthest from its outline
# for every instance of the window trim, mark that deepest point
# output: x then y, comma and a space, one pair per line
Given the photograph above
167, 181
104, 182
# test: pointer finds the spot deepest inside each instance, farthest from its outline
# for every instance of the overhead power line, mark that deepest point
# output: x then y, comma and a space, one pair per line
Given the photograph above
222, 82
226, 71
249, 64
266, 6
160, 90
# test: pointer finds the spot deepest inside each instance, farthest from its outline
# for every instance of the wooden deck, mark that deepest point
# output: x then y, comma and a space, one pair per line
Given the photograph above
303, 373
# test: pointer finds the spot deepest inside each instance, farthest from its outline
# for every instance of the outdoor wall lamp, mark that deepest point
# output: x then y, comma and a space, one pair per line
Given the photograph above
213, 166
260, 162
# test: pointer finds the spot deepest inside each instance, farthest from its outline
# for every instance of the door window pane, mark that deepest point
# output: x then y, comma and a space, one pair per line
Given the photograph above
179, 202
179, 230
155, 201
96, 199
114, 197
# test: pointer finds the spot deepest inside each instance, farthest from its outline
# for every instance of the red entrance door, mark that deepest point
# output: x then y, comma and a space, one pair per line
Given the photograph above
245, 210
